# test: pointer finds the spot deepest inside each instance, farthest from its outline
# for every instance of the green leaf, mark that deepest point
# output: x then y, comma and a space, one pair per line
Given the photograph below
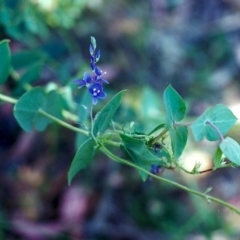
174, 105
231, 149
53, 104
140, 154
179, 137
84, 155
220, 116
104, 117
32, 74
217, 158
5, 60
159, 126
26, 109
24, 59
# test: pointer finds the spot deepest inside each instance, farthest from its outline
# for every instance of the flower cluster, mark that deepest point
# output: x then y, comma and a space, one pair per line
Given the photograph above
95, 82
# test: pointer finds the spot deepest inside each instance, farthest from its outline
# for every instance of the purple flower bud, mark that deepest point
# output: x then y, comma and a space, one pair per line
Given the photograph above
98, 71
155, 169
98, 55
157, 147
91, 50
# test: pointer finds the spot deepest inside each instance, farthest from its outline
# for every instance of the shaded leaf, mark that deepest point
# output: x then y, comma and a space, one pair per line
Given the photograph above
140, 154
5, 60
25, 58
26, 110
104, 117
84, 155
32, 74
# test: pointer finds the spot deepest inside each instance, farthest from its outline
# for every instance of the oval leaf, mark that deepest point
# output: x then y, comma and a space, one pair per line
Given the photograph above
231, 149
5, 60
104, 117
84, 155
174, 105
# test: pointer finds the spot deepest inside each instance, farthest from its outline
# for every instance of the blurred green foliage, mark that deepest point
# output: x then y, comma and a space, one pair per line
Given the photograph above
145, 45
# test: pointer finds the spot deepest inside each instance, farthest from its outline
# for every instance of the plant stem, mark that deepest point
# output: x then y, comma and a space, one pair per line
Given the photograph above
158, 137
203, 195
8, 99
62, 123
182, 124
216, 129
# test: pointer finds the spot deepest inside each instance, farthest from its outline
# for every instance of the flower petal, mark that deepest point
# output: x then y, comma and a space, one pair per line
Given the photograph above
98, 71
98, 55
102, 95
91, 50
80, 82
87, 78
102, 80
96, 86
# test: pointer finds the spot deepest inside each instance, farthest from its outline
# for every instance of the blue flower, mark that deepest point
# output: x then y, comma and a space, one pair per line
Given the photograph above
96, 90
94, 82
85, 82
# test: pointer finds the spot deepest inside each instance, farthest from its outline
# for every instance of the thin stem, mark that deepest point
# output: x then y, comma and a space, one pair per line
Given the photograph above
206, 170
8, 99
203, 195
112, 143
62, 123
179, 124
14, 74
91, 116
157, 138
216, 129
91, 113
197, 172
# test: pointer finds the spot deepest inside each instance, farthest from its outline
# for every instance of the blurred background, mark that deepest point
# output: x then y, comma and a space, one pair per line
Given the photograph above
145, 45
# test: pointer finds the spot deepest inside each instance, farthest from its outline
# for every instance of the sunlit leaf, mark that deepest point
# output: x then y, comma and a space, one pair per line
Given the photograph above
231, 149
179, 137
217, 158
220, 116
